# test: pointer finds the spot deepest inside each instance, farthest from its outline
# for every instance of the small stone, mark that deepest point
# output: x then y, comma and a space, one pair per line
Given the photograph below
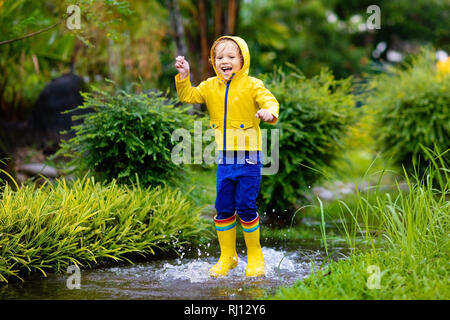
38, 168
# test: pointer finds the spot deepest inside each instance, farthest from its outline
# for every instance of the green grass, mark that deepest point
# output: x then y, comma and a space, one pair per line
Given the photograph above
88, 223
199, 184
405, 236
351, 279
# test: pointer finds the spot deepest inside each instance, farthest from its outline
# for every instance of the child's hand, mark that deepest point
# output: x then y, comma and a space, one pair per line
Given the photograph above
264, 114
182, 66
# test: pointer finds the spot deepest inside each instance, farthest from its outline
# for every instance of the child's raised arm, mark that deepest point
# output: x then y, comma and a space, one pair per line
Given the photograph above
186, 92
182, 66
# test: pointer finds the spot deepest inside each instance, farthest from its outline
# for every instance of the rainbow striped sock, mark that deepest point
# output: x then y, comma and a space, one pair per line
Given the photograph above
225, 224
250, 226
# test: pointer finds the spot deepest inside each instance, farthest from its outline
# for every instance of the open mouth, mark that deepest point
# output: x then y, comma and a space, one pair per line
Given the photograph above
226, 70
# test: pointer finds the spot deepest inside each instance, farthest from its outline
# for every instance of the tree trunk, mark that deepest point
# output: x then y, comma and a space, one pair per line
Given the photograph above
218, 12
180, 40
232, 13
203, 23
177, 25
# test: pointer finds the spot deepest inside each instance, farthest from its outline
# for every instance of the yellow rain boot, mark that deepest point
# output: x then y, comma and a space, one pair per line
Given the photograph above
255, 258
226, 232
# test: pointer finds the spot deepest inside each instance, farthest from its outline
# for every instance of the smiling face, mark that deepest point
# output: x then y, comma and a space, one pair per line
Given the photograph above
227, 58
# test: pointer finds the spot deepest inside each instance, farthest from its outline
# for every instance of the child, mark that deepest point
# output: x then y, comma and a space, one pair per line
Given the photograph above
236, 102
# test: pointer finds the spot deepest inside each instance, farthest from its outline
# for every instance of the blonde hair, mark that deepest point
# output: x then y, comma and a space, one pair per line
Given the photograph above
230, 41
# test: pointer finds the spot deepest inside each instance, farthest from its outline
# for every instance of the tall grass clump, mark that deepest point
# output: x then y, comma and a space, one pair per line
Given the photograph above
412, 105
88, 223
409, 219
315, 118
406, 239
127, 137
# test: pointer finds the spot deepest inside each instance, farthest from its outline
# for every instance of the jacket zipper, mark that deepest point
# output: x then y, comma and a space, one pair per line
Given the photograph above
225, 119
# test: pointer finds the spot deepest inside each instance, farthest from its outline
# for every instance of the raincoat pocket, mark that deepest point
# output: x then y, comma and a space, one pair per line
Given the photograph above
215, 124
241, 135
241, 124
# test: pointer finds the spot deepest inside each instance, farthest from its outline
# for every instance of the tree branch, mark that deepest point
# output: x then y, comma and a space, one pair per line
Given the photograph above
36, 32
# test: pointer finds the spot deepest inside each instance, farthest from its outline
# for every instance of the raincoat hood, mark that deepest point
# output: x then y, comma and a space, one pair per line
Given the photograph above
245, 54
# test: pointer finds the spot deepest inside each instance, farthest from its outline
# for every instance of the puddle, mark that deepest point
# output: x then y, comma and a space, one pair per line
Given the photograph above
186, 277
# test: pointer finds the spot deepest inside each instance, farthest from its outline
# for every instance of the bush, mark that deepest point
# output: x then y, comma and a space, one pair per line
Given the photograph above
412, 105
127, 137
315, 115
88, 223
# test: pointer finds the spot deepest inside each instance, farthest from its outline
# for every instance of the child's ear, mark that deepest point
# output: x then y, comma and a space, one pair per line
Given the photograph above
210, 62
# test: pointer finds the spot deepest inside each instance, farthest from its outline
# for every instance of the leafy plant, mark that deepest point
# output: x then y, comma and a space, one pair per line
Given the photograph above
412, 106
127, 137
87, 223
315, 115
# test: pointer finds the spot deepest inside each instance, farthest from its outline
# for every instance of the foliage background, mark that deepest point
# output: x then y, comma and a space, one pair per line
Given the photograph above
134, 41
314, 124
412, 107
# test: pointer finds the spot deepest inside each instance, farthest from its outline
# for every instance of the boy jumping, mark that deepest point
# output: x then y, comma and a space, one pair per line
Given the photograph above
236, 103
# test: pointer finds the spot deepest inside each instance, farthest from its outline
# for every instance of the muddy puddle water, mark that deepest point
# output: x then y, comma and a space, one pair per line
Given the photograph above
185, 277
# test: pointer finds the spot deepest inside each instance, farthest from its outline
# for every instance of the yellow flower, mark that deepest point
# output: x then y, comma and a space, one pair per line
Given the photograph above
443, 67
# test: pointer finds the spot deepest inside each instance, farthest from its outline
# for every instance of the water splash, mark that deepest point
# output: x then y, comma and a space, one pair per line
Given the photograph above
280, 265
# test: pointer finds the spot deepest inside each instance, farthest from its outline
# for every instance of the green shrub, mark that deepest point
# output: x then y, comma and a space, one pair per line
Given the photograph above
127, 137
87, 223
315, 115
412, 106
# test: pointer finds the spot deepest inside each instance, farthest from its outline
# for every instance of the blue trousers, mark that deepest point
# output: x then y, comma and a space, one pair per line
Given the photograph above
237, 187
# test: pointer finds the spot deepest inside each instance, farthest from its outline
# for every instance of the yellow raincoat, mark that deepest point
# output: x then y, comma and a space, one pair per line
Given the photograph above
232, 104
